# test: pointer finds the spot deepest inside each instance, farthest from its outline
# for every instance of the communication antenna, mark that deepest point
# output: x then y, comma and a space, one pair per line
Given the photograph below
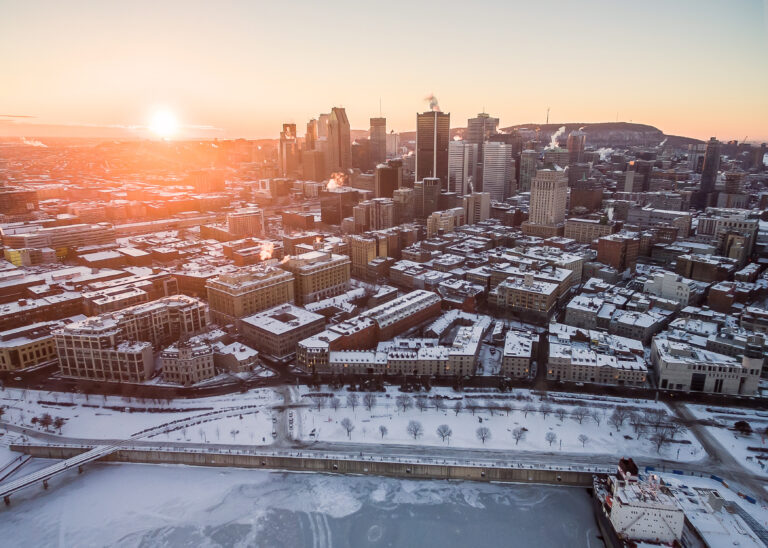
547, 115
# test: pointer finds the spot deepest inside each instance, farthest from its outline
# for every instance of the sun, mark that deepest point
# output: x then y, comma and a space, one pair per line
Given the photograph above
164, 124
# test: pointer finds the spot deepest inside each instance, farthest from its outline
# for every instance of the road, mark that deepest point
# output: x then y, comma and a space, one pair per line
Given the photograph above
723, 463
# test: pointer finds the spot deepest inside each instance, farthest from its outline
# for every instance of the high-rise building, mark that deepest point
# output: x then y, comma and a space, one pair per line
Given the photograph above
403, 199
477, 207
289, 151
479, 131
382, 213
462, 167
426, 195
577, 140
706, 195
389, 177
319, 275
310, 138
549, 193
528, 162
497, 170
247, 221
378, 138
393, 144
339, 143
432, 139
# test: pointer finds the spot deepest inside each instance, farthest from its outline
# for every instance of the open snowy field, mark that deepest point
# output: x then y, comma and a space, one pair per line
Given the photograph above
559, 428
99, 417
736, 443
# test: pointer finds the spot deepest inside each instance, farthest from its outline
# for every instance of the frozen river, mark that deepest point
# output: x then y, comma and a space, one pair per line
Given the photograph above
167, 506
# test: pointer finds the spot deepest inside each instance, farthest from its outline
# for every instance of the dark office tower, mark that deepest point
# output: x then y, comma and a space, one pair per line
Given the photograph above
339, 144
433, 130
706, 195
289, 151
576, 143
389, 177
378, 138
426, 194
480, 130
311, 137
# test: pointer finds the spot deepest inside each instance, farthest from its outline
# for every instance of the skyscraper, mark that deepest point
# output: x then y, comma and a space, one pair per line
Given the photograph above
577, 140
706, 195
462, 167
378, 138
389, 177
497, 170
311, 136
426, 195
339, 144
432, 137
480, 130
549, 192
528, 161
289, 151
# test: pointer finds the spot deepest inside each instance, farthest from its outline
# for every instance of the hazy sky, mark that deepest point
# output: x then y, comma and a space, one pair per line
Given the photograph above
240, 69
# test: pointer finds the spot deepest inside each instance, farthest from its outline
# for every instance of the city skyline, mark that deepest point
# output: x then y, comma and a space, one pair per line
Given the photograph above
246, 70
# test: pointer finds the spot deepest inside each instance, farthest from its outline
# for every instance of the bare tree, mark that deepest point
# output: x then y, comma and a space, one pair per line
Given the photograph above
617, 418
483, 434
444, 431
472, 407
596, 416
45, 420
579, 413
490, 405
518, 434
655, 418
560, 413
404, 402
421, 403
353, 400
528, 408
506, 407
439, 404
674, 428
58, 423
347, 425
635, 420
335, 403
233, 433
660, 438
545, 409
319, 402
383, 431
457, 407
415, 429
369, 400
551, 437
583, 438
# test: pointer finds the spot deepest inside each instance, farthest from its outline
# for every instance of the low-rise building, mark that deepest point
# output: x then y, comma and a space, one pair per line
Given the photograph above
27, 346
517, 355
188, 362
669, 285
580, 355
318, 275
247, 291
681, 366
276, 331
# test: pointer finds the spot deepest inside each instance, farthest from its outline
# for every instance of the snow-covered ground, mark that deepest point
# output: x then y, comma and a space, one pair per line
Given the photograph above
735, 443
98, 417
326, 425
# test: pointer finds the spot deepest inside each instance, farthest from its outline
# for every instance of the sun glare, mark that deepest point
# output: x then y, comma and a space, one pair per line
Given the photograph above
164, 124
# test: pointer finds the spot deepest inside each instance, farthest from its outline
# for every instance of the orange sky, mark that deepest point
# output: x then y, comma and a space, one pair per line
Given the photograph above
241, 69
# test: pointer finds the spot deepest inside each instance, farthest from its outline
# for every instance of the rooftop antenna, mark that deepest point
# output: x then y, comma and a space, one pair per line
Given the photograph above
547, 115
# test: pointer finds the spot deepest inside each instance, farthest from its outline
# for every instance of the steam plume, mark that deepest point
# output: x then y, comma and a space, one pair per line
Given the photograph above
433, 105
33, 143
267, 248
553, 140
337, 181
